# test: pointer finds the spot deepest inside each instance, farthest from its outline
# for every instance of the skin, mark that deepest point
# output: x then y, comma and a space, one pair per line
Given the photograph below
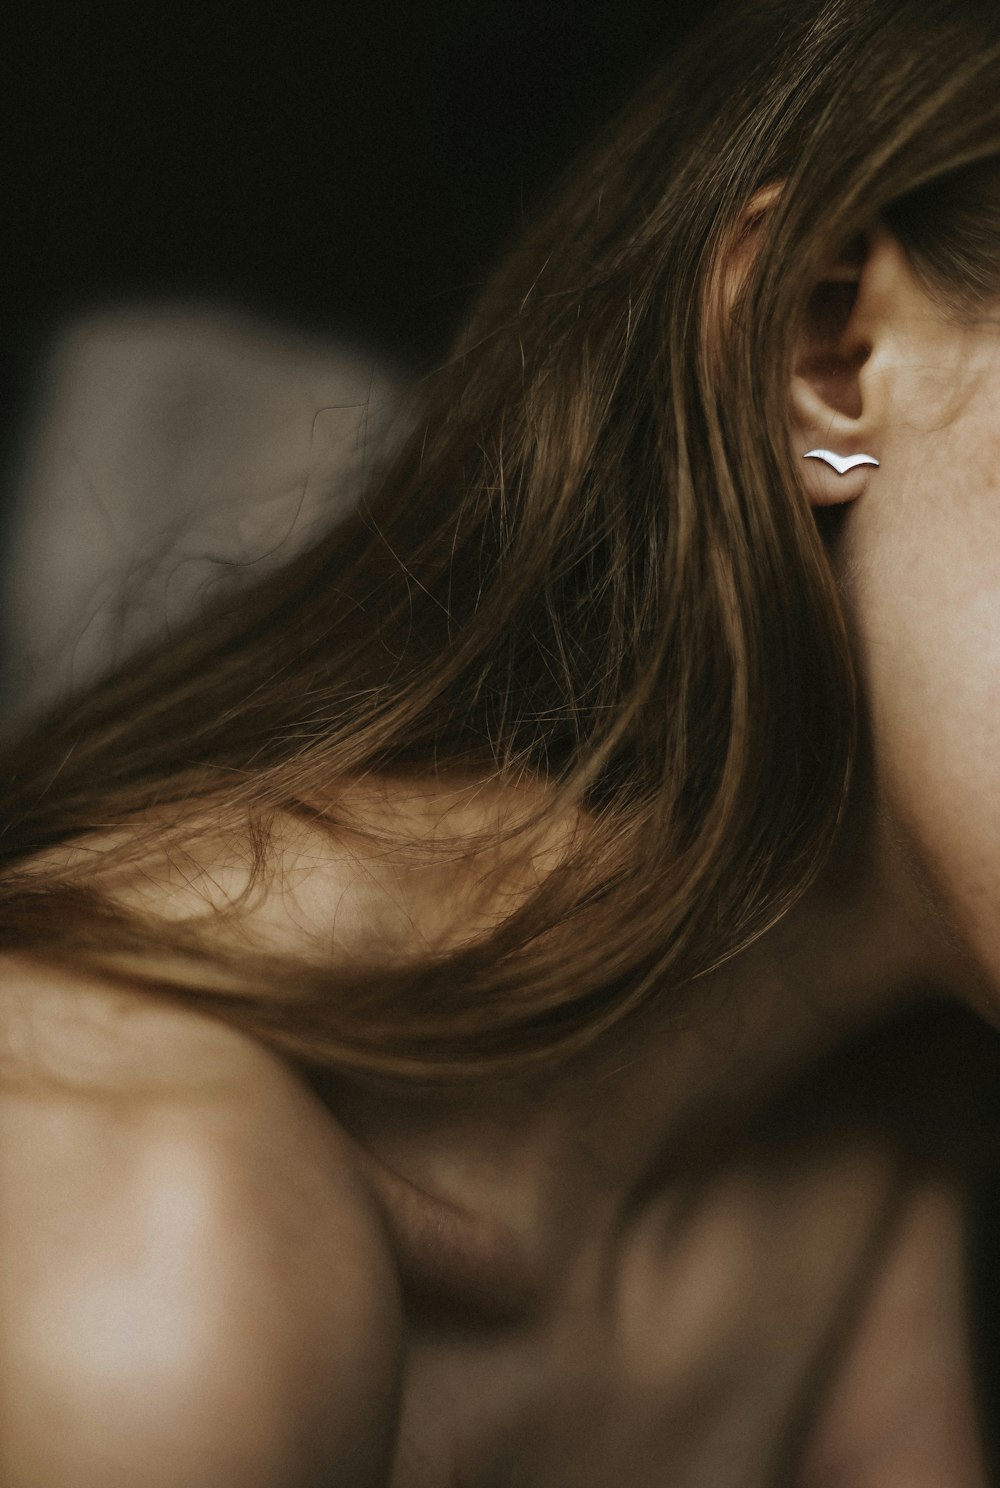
921, 573
632, 1272
170, 1210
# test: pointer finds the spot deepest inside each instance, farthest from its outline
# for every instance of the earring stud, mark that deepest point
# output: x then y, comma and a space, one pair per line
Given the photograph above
841, 463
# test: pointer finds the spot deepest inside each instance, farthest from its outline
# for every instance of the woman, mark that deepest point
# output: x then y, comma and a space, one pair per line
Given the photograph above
400, 966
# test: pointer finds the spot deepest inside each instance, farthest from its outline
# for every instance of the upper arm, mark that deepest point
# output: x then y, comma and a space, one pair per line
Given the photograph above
190, 1294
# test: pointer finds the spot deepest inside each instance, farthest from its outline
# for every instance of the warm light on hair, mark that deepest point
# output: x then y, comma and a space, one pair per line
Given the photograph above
589, 567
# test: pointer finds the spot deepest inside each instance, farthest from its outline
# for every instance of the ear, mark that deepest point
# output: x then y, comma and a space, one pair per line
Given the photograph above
837, 400
837, 397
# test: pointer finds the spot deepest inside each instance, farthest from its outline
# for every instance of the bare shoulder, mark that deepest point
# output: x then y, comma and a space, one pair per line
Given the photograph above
194, 1281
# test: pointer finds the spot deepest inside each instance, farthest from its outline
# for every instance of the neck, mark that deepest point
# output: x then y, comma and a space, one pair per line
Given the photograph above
561, 1160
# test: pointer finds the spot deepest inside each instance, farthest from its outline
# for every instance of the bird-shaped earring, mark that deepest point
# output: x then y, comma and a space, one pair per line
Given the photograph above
841, 463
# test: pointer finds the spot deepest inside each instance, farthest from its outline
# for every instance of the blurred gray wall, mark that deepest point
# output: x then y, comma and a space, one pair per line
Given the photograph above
172, 449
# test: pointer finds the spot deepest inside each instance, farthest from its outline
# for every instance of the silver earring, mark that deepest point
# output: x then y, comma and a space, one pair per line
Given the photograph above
841, 463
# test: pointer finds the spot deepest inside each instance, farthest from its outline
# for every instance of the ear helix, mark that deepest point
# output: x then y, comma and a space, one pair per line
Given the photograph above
841, 463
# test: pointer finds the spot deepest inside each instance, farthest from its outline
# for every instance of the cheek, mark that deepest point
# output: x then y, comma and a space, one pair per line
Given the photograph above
922, 578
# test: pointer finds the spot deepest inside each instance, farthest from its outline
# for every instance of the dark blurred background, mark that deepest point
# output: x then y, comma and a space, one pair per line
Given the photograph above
355, 172
349, 176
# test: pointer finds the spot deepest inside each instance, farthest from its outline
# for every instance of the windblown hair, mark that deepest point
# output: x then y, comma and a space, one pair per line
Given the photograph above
589, 564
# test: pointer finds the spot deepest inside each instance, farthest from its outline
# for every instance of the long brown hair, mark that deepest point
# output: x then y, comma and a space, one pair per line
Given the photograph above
589, 563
